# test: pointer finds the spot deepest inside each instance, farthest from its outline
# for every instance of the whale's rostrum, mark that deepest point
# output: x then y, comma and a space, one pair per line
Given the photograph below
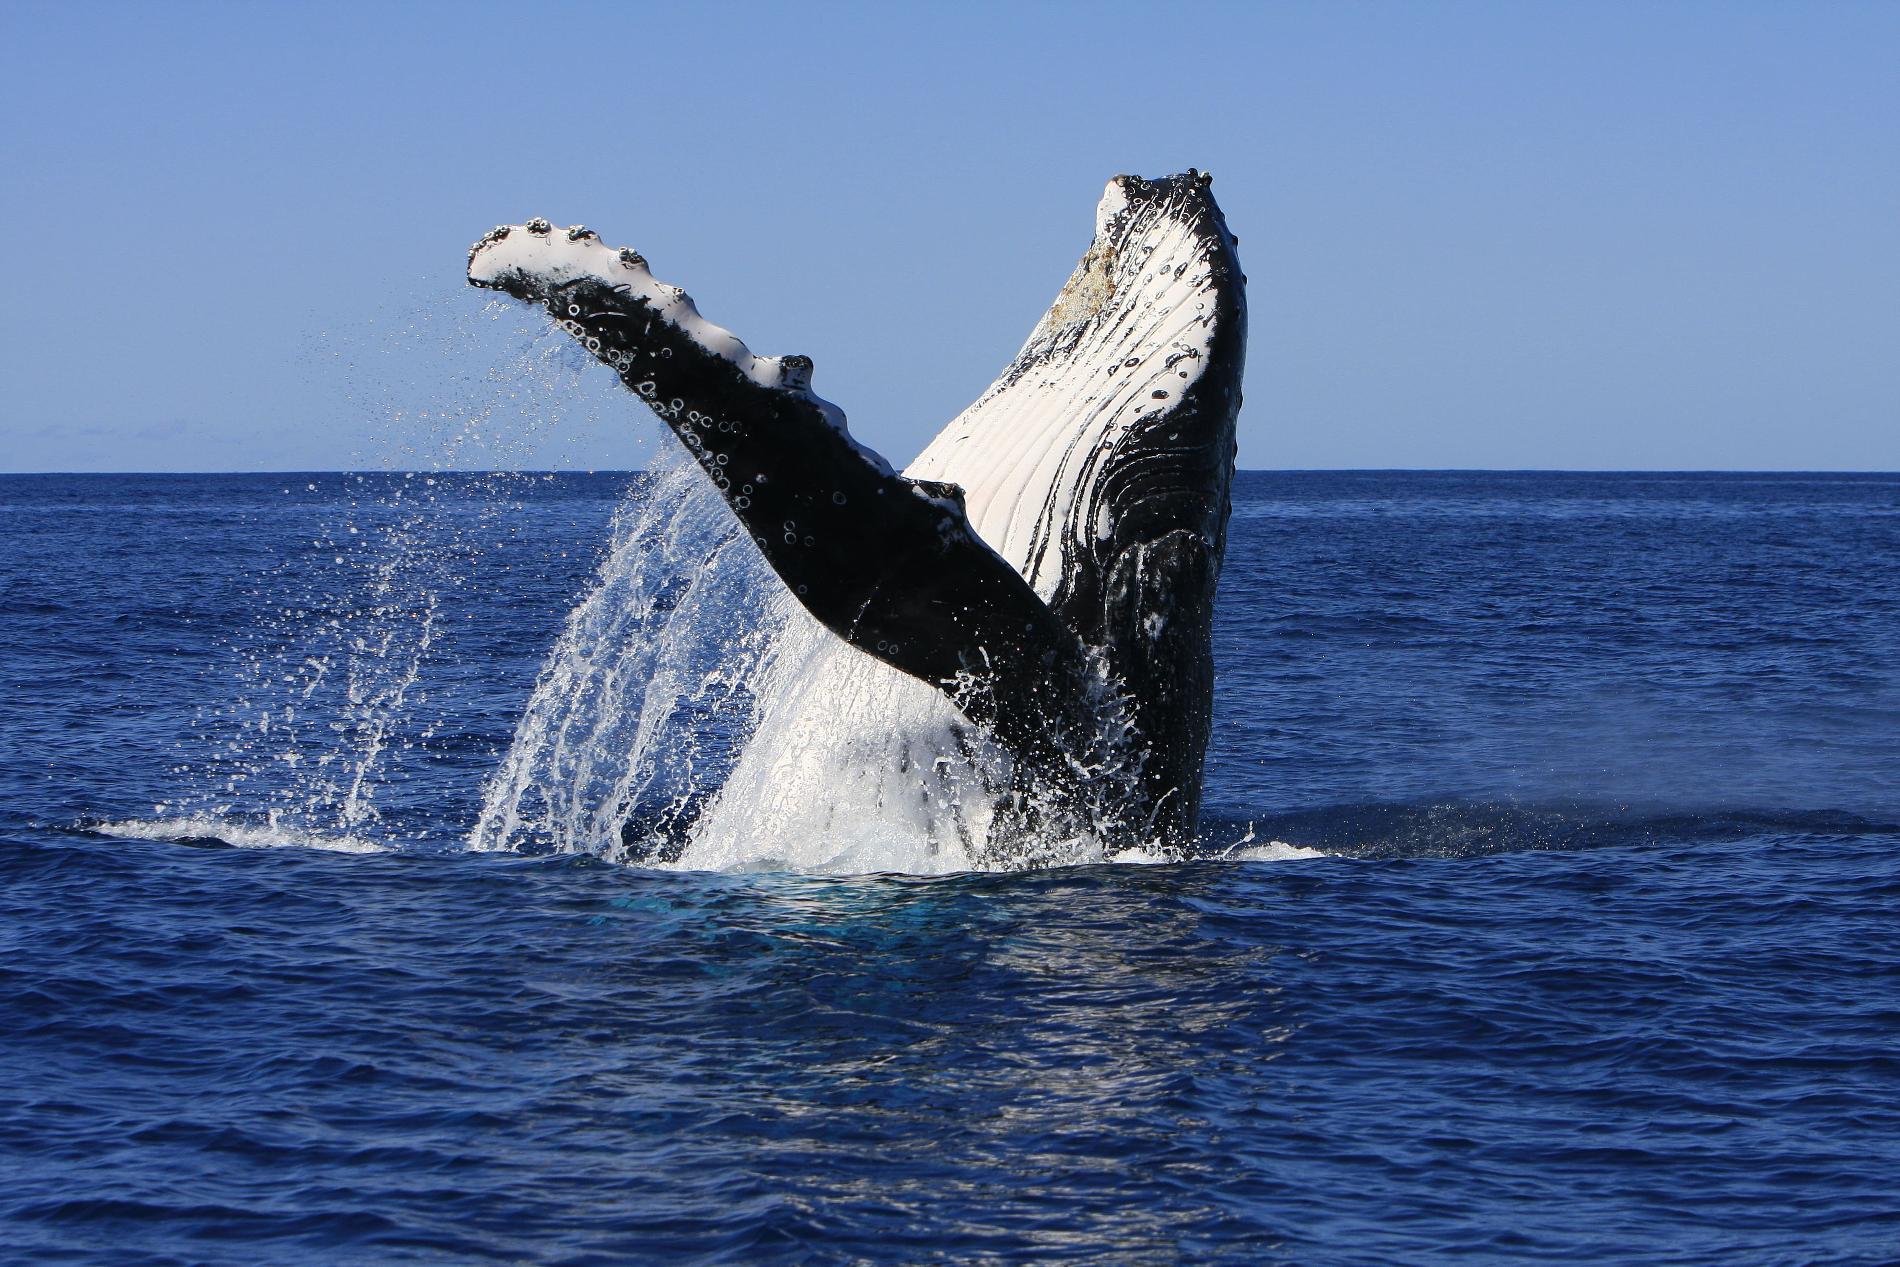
1046, 566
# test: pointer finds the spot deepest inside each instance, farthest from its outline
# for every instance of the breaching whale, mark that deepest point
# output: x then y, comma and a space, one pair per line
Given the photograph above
1046, 567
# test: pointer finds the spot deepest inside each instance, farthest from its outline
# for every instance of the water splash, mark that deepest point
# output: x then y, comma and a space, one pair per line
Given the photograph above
644, 701
328, 708
692, 716
689, 715
330, 690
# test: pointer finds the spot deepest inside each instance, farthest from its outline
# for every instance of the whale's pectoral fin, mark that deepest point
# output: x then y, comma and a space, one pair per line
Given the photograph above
891, 565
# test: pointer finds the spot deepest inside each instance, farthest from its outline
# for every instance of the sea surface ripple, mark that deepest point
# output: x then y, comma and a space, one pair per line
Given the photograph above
1598, 965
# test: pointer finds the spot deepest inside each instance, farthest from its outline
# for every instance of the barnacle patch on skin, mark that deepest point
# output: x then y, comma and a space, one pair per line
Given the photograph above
1088, 289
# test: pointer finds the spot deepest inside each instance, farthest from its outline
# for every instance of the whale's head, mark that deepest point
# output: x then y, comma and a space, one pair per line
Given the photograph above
1101, 462
1114, 426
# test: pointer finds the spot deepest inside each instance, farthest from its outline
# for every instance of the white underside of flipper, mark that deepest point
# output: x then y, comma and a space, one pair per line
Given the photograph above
857, 767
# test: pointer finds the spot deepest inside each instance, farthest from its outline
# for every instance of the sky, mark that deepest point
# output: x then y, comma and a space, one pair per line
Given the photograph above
1513, 235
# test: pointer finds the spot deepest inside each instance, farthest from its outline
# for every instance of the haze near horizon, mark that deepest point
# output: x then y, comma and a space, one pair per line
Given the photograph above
1478, 235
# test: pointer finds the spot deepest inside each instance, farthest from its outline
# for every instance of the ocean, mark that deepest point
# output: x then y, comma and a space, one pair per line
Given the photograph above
1568, 925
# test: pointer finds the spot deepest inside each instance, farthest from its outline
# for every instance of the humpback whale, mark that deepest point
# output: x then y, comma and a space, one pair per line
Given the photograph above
1042, 576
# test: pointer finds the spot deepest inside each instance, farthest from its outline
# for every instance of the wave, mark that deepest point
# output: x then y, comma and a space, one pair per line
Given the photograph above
225, 833
1458, 828
1374, 831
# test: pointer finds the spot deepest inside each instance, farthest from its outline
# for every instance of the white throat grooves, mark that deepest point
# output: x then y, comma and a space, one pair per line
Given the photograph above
1135, 320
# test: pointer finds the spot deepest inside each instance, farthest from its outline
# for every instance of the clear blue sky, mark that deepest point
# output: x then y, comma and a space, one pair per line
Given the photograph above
1479, 235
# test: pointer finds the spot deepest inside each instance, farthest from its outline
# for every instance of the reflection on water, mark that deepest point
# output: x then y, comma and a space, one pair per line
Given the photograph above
1021, 1044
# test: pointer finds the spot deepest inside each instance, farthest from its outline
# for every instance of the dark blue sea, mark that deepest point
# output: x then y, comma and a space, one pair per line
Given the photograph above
1598, 959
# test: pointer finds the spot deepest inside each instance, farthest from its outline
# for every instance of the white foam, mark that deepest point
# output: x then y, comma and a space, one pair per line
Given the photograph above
1271, 851
237, 834
1249, 848
853, 767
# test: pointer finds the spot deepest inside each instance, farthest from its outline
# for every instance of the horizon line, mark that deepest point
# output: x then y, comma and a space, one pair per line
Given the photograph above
1239, 470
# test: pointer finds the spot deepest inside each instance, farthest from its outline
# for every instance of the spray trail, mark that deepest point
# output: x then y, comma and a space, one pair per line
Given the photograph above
328, 713
646, 698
